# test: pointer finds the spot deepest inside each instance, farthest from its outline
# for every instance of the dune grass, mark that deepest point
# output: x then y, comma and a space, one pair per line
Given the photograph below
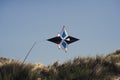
88, 68
17, 71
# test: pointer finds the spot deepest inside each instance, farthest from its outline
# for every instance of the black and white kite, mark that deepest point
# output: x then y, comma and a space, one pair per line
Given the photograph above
63, 39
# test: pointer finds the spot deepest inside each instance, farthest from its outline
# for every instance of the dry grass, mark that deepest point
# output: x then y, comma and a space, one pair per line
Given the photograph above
89, 68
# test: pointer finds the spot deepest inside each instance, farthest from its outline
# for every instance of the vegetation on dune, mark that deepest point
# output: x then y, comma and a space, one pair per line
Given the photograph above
89, 68
98, 68
17, 71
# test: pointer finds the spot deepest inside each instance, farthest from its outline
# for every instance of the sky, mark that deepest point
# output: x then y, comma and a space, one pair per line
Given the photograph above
22, 22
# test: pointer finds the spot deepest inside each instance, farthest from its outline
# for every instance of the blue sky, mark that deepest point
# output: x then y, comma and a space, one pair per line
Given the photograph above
22, 22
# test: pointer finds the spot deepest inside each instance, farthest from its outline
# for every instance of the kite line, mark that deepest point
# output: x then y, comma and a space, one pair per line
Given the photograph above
29, 51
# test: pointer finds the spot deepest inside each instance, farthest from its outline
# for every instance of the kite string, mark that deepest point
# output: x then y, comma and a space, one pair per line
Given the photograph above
29, 52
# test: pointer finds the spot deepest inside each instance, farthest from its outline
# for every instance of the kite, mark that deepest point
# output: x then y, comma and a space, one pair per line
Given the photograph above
63, 39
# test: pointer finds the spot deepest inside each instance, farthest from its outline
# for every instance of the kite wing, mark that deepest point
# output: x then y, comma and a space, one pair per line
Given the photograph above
70, 39
56, 40
64, 33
